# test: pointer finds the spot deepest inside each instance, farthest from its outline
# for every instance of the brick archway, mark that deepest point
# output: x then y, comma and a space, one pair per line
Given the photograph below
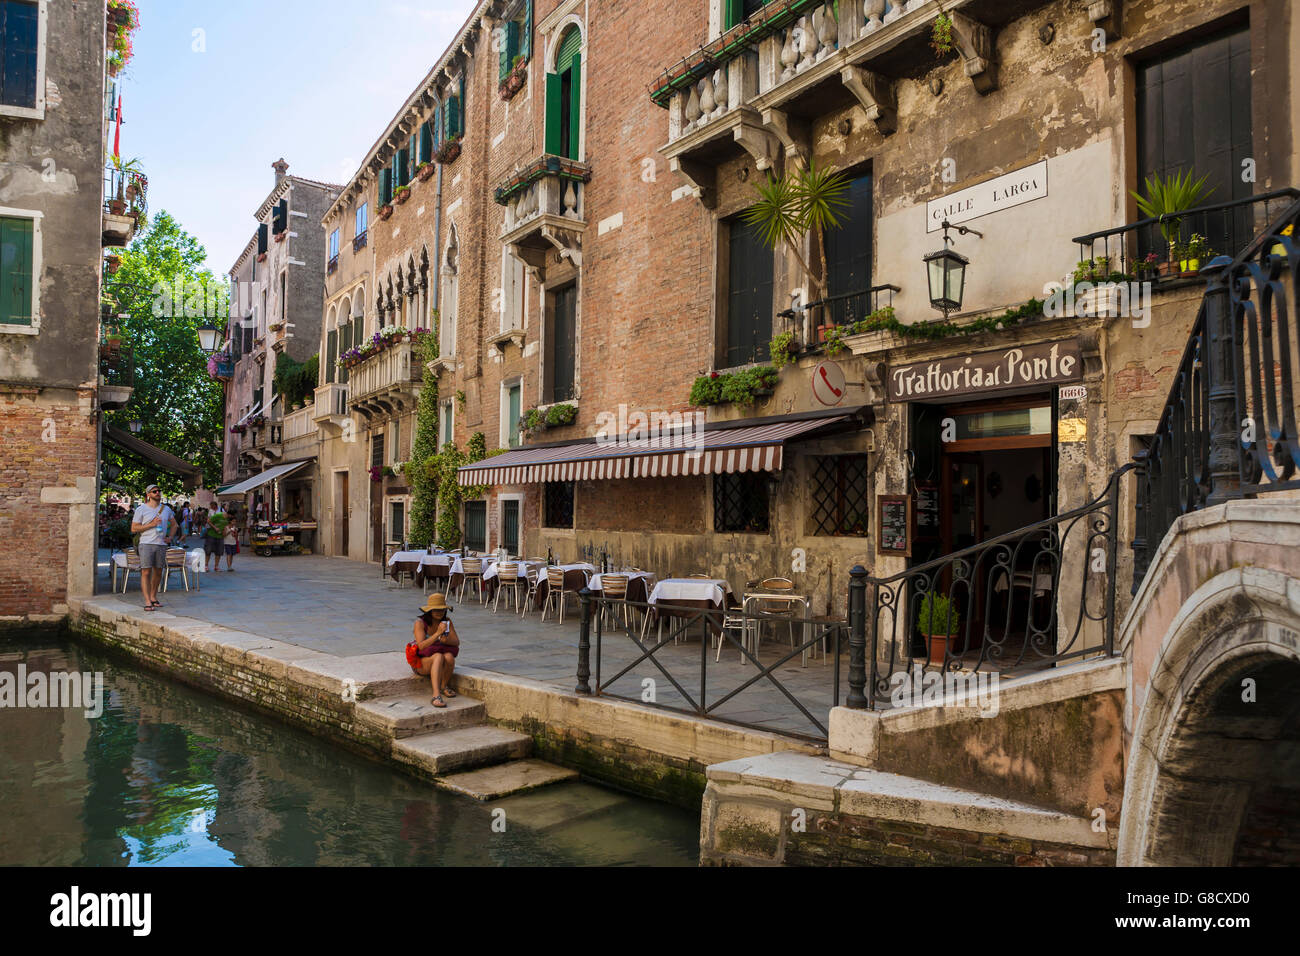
1214, 768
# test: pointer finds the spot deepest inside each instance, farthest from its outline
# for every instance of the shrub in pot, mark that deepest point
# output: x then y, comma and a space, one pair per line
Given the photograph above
937, 619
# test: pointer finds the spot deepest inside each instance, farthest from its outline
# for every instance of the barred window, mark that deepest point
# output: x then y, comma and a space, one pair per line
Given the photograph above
740, 503
557, 504
839, 495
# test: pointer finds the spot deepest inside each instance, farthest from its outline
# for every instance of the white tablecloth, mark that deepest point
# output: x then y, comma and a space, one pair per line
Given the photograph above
649, 578
672, 590
408, 556
524, 566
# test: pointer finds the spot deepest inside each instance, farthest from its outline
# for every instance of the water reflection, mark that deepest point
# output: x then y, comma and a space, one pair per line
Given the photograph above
168, 776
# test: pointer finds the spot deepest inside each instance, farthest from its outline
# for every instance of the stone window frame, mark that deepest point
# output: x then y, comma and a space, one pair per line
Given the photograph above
36, 112
508, 320
554, 28
35, 215
513, 381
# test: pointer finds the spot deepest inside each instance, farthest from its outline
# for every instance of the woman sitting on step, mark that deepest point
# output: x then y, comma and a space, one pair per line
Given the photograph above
434, 648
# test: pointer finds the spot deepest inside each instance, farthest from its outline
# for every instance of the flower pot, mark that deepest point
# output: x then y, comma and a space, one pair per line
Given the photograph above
385, 211
425, 172
261, 257
402, 197
821, 332
117, 207
449, 153
936, 646
1167, 268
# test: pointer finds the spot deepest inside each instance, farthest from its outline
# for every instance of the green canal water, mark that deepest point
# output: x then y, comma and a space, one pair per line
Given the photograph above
167, 776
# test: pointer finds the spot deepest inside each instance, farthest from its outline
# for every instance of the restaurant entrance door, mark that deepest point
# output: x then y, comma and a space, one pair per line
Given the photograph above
991, 467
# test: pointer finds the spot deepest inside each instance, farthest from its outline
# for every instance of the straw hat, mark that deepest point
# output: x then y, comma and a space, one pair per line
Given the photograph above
437, 602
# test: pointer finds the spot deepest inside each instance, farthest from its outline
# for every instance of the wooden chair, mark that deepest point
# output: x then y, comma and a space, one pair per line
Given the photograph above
508, 577
472, 570
176, 561
777, 607
555, 591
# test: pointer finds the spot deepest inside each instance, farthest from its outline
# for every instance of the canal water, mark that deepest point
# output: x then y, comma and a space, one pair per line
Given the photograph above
168, 776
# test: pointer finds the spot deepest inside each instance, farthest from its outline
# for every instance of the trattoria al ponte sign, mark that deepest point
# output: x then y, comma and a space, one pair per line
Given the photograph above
1048, 363
1001, 192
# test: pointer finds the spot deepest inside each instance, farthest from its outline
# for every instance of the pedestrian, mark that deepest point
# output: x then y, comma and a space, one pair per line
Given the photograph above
213, 533
185, 519
156, 525
232, 543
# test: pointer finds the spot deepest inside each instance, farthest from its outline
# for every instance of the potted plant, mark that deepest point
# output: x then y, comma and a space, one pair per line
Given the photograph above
114, 262
1197, 248
1165, 198
448, 151
1149, 266
834, 341
784, 348
385, 211
401, 194
560, 415
424, 171
939, 622
532, 420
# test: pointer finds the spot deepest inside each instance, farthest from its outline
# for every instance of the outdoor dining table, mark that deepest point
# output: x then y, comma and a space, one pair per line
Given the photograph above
575, 578
639, 584
418, 564
686, 595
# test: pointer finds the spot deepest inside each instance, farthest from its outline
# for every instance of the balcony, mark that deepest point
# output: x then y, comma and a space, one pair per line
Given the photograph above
268, 440
756, 88
331, 407
116, 375
300, 433
124, 204
386, 381
545, 211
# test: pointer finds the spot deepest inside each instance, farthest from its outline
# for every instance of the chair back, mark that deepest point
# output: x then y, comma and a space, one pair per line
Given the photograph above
508, 571
700, 574
776, 584
614, 585
132, 558
175, 557
555, 577
472, 565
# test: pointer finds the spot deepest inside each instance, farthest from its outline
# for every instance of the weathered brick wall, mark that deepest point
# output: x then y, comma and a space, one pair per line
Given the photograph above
1270, 831
49, 442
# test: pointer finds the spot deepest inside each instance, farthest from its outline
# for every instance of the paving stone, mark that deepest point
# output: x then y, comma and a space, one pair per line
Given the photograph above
502, 780
411, 713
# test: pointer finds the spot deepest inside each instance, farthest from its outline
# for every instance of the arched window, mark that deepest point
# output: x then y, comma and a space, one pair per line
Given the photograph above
331, 347
344, 330
359, 315
447, 324
564, 97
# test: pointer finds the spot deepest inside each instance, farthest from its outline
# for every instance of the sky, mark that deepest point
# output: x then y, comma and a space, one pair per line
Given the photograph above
219, 89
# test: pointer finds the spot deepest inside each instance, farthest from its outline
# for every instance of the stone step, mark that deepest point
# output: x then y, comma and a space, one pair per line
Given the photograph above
410, 713
558, 807
502, 780
446, 751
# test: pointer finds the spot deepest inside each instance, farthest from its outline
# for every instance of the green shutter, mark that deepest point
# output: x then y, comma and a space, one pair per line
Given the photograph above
735, 13
385, 186
575, 105
16, 271
509, 48
526, 41
426, 143
570, 46
553, 113
453, 117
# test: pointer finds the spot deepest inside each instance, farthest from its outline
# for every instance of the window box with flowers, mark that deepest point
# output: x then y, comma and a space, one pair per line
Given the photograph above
123, 19
385, 211
376, 473
275, 327
424, 171
514, 82
448, 152
402, 194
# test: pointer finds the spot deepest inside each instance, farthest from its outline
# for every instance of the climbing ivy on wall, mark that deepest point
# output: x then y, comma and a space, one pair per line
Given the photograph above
424, 490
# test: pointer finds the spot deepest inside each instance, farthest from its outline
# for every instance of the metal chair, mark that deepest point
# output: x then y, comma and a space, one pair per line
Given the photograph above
132, 564
507, 577
531, 576
782, 608
555, 590
176, 561
472, 569
748, 627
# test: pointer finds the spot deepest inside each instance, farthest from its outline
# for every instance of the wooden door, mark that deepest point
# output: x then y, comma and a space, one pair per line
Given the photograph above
342, 507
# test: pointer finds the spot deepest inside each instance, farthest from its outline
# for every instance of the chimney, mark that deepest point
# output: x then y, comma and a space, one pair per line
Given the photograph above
281, 170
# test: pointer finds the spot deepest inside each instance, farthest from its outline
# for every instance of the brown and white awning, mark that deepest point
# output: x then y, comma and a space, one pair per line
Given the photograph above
744, 447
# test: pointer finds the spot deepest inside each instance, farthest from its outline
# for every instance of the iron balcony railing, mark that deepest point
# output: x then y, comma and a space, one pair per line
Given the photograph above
125, 191
850, 307
1229, 426
1022, 601
1226, 227
117, 365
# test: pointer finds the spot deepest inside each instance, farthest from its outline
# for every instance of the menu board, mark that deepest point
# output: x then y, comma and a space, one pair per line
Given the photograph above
927, 509
895, 525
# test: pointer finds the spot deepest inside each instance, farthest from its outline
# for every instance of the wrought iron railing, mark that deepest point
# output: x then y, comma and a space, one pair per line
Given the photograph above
1229, 425
125, 190
850, 307
117, 365
630, 660
1029, 599
1226, 227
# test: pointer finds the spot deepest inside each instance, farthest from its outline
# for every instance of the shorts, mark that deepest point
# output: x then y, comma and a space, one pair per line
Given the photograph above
153, 555
230, 549
211, 546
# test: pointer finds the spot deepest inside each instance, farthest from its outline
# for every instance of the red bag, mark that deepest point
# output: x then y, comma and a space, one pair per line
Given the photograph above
413, 654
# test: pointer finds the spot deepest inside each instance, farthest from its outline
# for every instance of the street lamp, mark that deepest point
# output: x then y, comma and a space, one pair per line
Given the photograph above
946, 272
209, 338
135, 427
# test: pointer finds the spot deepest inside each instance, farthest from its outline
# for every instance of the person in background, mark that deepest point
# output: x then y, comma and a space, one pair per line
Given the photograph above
213, 534
232, 543
186, 515
156, 525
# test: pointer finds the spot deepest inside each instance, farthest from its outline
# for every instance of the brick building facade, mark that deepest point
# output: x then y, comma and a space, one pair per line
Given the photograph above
52, 232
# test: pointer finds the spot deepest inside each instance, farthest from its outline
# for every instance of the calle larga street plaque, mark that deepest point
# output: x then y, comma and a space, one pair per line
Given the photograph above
1047, 363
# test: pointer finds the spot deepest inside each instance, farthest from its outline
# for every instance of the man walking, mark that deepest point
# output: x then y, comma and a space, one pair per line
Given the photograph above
156, 525
213, 533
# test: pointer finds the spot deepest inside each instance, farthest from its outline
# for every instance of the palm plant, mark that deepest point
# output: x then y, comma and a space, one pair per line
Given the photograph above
801, 202
1166, 197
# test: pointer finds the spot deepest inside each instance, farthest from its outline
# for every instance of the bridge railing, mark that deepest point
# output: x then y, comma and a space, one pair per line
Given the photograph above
1028, 599
1229, 425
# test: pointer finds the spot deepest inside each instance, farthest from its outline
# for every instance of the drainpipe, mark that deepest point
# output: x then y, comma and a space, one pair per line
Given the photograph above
437, 242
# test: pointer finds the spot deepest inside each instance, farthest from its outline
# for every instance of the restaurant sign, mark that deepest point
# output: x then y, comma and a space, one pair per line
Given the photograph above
994, 195
1048, 363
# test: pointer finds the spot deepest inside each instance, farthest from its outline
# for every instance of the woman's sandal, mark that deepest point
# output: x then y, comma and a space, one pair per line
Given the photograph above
438, 701
449, 693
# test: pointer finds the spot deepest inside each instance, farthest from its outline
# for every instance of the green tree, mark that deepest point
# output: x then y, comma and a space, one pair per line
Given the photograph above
160, 295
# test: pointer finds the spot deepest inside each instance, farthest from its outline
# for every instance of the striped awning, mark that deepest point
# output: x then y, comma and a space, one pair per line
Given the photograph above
757, 447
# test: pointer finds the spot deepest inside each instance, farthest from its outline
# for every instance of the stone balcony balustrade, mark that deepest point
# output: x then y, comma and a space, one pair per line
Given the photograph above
387, 381
330, 408
545, 210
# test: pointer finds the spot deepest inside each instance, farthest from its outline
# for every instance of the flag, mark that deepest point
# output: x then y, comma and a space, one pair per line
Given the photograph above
117, 130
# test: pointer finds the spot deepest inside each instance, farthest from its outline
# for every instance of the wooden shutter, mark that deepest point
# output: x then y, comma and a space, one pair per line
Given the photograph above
553, 125
261, 238
749, 295
575, 105
848, 248
526, 40
509, 47
426, 143
18, 34
385, 186
16, 279
331, 355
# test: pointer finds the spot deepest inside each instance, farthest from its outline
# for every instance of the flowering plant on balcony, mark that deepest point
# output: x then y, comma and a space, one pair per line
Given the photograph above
257, 421
237, 429
219, 365
123, 21
376, 473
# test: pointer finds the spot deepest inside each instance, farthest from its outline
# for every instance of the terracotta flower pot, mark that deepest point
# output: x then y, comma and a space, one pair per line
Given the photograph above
936, 646
385, 211
402, 197
425, 172
117, 207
